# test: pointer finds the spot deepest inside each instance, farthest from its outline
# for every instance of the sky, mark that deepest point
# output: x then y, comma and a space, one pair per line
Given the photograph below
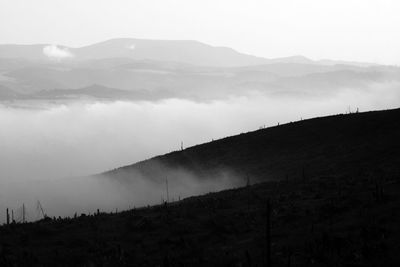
359, 30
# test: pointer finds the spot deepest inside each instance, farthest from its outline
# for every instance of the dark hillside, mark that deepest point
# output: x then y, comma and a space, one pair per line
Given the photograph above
338, 144
342, 221
344, 212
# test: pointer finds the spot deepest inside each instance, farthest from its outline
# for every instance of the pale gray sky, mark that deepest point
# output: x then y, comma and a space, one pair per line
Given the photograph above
362, 30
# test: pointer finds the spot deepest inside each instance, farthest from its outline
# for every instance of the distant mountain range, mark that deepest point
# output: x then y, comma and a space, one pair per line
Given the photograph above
183, 51
136, 69
190, 52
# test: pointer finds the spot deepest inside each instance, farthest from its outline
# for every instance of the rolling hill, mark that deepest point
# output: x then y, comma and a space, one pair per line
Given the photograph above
344, 143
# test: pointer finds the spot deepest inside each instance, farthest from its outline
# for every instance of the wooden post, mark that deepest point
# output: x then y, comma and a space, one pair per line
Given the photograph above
8, 217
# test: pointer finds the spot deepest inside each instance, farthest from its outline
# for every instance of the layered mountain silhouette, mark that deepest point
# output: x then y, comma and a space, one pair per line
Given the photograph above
137, 69
191, 52
183, 51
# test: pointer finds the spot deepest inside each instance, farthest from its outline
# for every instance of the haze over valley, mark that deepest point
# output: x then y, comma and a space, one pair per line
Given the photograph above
67, 113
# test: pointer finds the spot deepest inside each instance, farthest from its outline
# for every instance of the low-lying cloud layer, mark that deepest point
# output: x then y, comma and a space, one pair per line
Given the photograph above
41, 147
57, 53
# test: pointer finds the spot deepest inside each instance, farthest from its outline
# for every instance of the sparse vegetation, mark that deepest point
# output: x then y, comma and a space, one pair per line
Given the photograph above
323, 222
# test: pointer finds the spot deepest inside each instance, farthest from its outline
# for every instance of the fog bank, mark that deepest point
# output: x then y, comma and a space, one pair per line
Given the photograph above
45, 143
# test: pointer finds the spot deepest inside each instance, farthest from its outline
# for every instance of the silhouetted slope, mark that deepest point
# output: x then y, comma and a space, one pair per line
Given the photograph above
350, 218
336, 144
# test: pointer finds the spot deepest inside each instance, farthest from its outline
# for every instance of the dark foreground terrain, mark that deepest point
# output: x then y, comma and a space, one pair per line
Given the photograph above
345, 215
321, 221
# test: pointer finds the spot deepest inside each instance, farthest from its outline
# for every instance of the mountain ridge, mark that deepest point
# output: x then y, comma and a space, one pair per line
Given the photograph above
365, 139
185, 51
